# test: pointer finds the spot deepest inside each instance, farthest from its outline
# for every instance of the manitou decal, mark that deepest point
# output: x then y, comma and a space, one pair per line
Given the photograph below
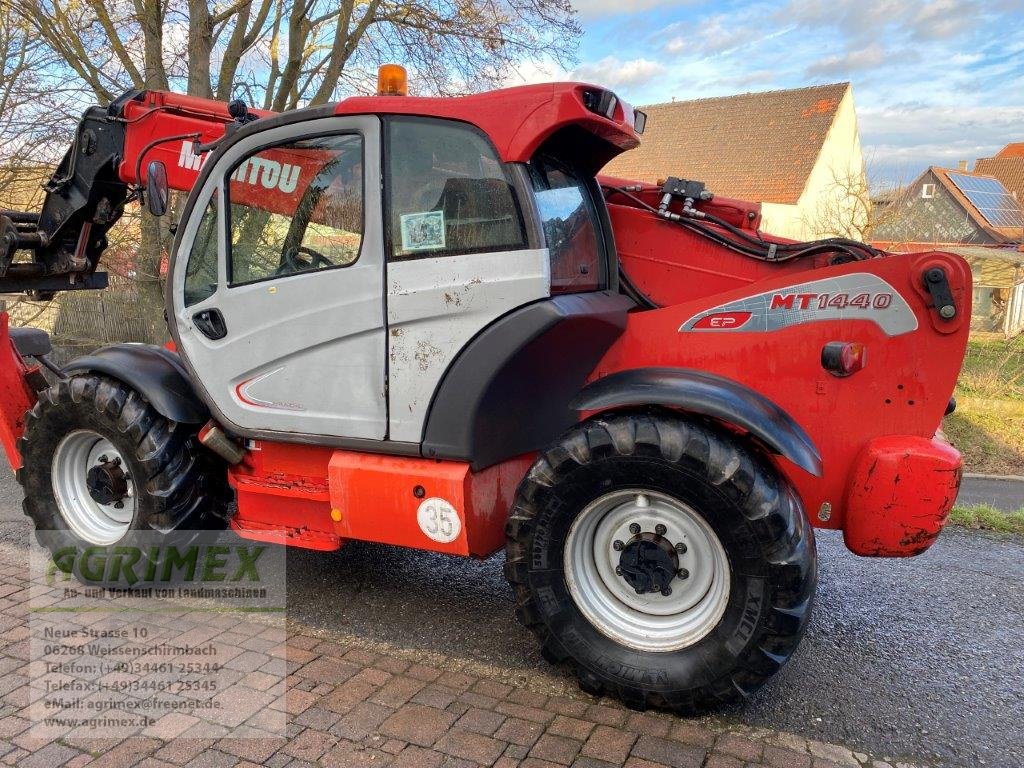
189, 159
262, 171
859, 296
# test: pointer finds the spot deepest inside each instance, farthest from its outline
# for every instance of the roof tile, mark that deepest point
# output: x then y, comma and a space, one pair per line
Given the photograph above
1016, 149
1003, 234
754, 146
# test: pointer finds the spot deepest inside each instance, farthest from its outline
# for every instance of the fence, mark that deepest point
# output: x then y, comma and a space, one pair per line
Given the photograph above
81, 321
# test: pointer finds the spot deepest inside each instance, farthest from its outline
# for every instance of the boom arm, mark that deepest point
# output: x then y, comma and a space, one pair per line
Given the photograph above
103, 170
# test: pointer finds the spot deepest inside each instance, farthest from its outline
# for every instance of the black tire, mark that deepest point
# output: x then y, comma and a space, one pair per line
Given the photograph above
180, 486
758, 519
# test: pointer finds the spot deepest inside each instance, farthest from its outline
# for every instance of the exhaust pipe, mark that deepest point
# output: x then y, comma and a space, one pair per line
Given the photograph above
213, 437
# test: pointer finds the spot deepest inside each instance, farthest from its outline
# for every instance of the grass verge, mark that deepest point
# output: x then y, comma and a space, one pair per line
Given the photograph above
987, 518
988, 425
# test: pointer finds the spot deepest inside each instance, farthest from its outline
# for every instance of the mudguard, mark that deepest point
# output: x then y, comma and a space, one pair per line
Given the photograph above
154, 372
507, 392
709, 395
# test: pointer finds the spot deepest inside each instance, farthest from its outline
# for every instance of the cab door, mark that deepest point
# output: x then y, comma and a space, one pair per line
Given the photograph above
277, 282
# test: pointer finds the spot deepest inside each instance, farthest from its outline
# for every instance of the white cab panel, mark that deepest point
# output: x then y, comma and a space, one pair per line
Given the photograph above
435, 306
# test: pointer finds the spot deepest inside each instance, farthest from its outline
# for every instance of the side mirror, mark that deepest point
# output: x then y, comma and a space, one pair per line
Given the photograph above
156, 188
639, 121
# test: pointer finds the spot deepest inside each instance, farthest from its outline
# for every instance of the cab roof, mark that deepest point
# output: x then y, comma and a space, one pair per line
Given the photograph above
519, 120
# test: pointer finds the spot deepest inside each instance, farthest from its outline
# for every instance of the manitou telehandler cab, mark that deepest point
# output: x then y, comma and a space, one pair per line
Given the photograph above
428, 322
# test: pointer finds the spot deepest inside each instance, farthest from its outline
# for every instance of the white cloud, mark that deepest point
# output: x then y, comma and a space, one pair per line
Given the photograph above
943, 19
530, 72
609, 71
593, 9
612, 72
721, 35
901, 140
869, 57
868, 19
714, 35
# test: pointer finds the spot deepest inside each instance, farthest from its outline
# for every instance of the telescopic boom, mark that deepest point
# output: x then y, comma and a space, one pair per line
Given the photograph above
115, 148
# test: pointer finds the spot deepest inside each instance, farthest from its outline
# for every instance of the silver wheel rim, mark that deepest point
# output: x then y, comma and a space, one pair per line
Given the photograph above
650, 621
76, 454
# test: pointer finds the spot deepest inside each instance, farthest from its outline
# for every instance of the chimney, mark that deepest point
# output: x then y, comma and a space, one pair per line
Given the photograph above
962, 165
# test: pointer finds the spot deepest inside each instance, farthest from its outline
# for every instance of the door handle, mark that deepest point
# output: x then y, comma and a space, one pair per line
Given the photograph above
210, 323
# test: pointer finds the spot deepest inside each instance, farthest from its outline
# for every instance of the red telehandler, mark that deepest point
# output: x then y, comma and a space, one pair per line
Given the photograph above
431, 323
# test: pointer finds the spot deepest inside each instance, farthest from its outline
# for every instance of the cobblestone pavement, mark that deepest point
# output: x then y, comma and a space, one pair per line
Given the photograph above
348, 704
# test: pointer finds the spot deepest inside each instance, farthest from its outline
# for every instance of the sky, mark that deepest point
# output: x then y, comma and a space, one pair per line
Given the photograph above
934, 82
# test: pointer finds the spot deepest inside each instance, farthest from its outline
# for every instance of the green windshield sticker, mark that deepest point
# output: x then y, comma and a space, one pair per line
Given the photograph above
423, 231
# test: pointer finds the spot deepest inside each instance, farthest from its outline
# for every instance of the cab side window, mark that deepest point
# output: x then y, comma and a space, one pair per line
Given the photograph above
571, 228
448, 192
296, 207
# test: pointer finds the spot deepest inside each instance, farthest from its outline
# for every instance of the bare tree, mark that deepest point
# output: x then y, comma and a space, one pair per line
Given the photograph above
850, 207
24, 133
282, 54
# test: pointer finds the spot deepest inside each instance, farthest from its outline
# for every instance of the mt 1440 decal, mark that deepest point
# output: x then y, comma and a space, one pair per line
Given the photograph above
858, 296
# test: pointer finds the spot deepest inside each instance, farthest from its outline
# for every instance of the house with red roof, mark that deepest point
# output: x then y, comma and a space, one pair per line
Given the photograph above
1007, 165
797, 152
976, 216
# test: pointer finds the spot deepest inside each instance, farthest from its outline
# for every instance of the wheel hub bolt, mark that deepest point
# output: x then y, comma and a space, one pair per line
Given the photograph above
681, 548
666, 591
660, 529
634, 528
103, 459
683, 573
618, 570
617, 545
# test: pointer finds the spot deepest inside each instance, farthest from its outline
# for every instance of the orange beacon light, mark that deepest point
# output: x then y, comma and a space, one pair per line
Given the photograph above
392, 80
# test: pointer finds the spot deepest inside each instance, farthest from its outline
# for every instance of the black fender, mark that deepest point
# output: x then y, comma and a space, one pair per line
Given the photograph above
708, 395
154, 372
508, 391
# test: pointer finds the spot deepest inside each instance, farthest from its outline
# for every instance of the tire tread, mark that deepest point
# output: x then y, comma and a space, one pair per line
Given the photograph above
177, 475
765, 501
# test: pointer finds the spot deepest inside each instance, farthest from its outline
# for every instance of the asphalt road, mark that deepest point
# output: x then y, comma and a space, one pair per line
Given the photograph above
920, 658
1002, 493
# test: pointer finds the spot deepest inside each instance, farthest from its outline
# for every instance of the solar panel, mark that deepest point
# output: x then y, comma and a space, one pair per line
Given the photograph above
990, 197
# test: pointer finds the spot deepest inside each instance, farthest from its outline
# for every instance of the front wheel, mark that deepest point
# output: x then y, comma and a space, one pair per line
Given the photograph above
666, 563
101, 468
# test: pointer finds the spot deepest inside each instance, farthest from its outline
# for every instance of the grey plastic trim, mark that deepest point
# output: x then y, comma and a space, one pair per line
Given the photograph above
528, 204
508, 391
708, 395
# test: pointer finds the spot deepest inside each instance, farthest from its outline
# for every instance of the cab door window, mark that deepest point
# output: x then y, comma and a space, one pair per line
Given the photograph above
201, 270
570, 222
296, 207
448, 192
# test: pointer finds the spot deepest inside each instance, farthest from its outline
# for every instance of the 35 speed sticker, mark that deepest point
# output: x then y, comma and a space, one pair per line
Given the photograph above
856, 296
439, 520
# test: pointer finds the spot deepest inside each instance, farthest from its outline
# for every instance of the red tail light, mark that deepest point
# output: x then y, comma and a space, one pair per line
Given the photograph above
841, 358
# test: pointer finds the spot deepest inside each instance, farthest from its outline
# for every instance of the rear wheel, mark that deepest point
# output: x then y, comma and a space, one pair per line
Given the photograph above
101, 467
666, 563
